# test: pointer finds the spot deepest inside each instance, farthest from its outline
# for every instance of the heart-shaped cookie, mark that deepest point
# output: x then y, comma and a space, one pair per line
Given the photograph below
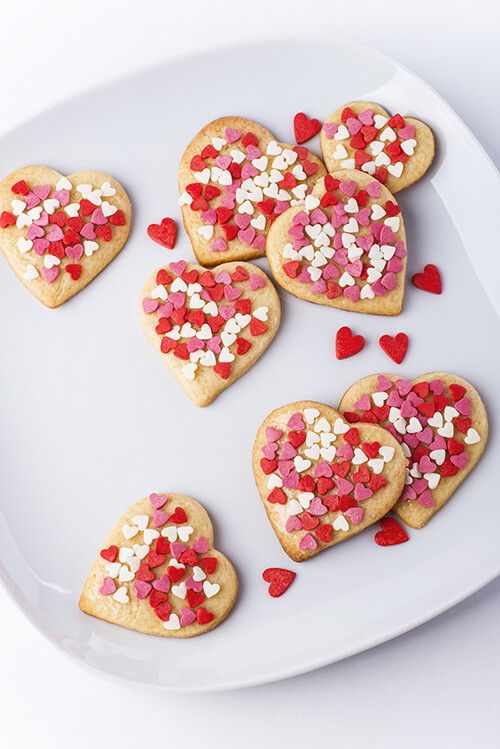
345, 246
58, 232
158, 573
234, 180
361, 135
209, 327
441, 423
322, 480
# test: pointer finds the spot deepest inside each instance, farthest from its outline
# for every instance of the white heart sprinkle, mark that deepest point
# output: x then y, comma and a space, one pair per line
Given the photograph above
210, 589
172, 622
121, 595
340, 524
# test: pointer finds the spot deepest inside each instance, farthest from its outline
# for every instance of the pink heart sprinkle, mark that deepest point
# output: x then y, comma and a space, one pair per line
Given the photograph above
242, 220
387, 236
373, 189
345, 451
55, 234
318, 287
352, 293
344, 486
227, 312
176, 548
256, 282
318, 217
194, 344
178, 268
291, 481
463, 406
419, 485
88, 231
285, 467
31, 201
214, 344
34, 232
296, 231
425, 499
460, 460
50, 274
340, 256
232, 135
355, 514
295, 423
366, 117
426, 465
323, 469
304, 276
394, 266
223, 277
406, 133
231, 293
363, 217
201, 545
210, 216
389, 281
43, 220
159, 518
403, 386
426, 435
329, 129
177, 298
400, 249
439, 443
348, 188
75, 252
301, 218
223, 162
253, 152
62, 196
40, 245
383, 384
362, 492
142, 588
287, 452
355, 268
363, 403
165, 310
317, 507
192, 584
308, 542
163, 584
408, 493
158, 500
365, 243
272, 434
353, 125
247, 236
330, 271
411, 440
99, 218
407, 410
227, 200
293, 523
42, 191
149, 305
259, 242
269, 450
108, 586
249, 170
187, 616
436, 386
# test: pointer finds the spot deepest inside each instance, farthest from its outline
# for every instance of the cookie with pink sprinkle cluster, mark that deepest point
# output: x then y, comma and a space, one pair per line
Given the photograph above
441, 424
344, 246
361, 135
235, 178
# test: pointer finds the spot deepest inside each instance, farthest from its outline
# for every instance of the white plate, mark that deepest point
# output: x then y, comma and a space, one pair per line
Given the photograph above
92, 420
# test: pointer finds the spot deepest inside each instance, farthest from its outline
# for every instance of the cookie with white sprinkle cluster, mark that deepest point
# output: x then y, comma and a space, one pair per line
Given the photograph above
59, 232
235, 179
157, 572
441, 424
396, 150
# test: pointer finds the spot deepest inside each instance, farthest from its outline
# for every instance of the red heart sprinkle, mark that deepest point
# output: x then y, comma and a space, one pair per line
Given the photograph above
296, 438
211, 192
190, 276
244, 305
279, 579
381, 174
421, 389
292, 268
249, 139
209, 564
194, 599
305, 128
324, 533
189, 557
230, 230
377, 482
110, 553
429, 280
454, 447
268, 466
57, 249
347, 114
331, 183
358, 141
162, 545
181, 351
381, 412
457, 391
369, 418
157, 597
324, 485
352, 417
463, 425
86, 207
239, 274
105, 232
163, 278
179, 516
440, 402
345, 502
163, 233
391, 208
20, 187
154, 559
346, 344
76, 222
257, 327
163, 611
242, 346
266, 206
223, 369
71, 237
309, 522
306, 484
277, 496
223, 214
206, 279
362, 475
301, 152
352, 436
396, 121
391, 534
175, 574
309, 167
209, 152
74, 270
396, 347
197, 164
118, 219
7, 219
167, 344
144, 573
341, 469
203, 616
370, 448
448, 469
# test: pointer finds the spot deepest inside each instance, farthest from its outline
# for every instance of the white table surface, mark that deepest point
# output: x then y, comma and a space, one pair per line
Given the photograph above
437, 685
